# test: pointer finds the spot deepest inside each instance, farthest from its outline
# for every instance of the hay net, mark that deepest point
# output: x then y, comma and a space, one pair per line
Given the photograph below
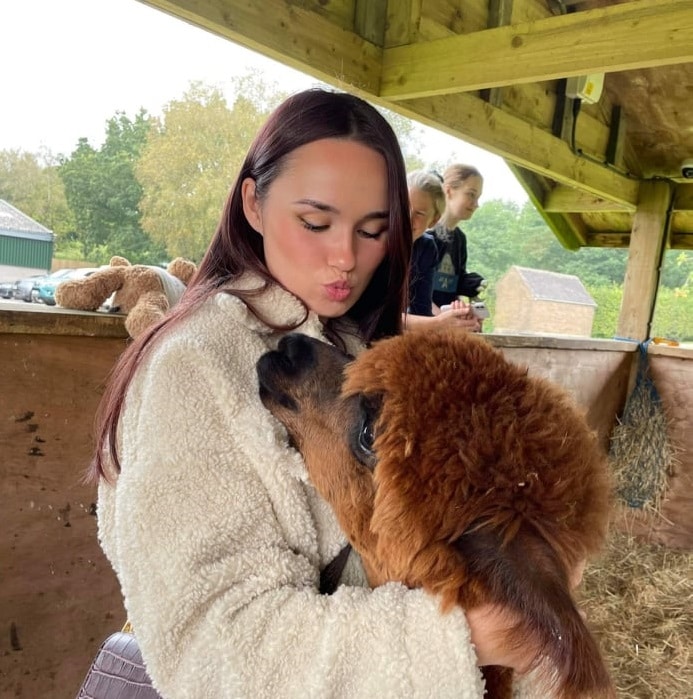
641, 453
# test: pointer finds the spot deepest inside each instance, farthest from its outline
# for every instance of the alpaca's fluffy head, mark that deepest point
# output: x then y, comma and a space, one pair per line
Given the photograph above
460, 437
464, 436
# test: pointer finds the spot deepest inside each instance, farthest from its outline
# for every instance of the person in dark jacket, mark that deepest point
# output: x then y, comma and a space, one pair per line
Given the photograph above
426, 204
462, 187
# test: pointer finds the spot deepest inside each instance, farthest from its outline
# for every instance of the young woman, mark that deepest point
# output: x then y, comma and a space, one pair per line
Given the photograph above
463, 185
426, 204
205, 511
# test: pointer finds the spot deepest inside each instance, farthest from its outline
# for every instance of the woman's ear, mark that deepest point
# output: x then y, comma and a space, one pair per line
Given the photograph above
251, 205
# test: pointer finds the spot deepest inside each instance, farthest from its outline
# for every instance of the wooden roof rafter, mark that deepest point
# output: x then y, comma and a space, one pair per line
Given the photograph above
487, 71
647, 33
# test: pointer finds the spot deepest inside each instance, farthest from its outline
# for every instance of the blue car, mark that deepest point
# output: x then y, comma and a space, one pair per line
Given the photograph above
45, 289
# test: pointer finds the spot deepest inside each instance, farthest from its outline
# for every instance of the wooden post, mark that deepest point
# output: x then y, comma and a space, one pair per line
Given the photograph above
370, 19
647, 241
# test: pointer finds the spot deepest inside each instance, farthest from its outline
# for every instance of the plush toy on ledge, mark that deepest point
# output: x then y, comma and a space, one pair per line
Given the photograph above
144, 293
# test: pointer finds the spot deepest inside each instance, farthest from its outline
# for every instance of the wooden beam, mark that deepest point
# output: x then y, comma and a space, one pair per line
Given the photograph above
369, 20
618, 239
403, 19
647, 241
637, 34
682, 241
563, 199
608, 239
479, 123
569, 230
683, 197
616, 146
499, 15
288, 33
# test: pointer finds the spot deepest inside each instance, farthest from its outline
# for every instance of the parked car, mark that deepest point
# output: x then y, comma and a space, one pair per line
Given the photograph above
46, 286
7, 289
25, 289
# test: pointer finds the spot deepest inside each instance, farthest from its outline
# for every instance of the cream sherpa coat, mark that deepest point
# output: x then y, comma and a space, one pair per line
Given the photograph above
218, 538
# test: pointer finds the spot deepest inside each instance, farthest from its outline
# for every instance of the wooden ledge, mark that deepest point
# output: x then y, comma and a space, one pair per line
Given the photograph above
682, 351
35, 319
567, 342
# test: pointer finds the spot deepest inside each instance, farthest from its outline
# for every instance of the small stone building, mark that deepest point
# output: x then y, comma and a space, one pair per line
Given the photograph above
539, 302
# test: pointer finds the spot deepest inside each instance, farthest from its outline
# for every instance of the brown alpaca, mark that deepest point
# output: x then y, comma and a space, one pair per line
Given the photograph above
449, 468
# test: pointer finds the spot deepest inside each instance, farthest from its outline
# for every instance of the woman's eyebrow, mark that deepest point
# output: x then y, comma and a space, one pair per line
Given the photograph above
376, 215
318, 205
321, 206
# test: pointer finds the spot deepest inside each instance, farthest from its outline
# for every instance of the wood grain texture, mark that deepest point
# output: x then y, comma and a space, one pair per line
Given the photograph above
58, 593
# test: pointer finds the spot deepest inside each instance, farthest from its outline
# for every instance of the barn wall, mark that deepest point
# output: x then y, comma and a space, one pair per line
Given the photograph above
58, 595
28, 251
595, 372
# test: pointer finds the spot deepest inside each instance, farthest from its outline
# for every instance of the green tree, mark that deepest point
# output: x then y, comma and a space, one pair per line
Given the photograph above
104, 193
410, 136
31, 183
608, 298
677, 269
492, 239
191, 159
501, 234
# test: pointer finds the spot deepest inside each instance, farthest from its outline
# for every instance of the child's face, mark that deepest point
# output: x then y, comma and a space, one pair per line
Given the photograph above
422, 211
463, 201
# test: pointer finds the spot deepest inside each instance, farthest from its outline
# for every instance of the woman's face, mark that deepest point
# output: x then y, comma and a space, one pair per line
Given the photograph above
463, 201
422, 210
324, 222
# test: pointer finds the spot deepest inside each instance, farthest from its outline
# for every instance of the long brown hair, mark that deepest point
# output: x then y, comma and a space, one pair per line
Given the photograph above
237, 248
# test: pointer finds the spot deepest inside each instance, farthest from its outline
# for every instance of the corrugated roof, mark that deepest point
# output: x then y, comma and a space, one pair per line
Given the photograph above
16, 224
553, 286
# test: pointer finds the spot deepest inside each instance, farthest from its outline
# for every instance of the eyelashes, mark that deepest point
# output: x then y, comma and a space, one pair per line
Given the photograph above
313, 228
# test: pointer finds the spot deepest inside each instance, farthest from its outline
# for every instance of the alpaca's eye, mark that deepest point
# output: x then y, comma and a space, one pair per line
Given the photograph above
362, 431
366, 436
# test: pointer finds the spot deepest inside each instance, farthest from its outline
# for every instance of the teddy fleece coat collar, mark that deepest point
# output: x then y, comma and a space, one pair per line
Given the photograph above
218, 538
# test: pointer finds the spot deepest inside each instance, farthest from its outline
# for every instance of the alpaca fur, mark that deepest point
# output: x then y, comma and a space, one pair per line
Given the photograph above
482, 484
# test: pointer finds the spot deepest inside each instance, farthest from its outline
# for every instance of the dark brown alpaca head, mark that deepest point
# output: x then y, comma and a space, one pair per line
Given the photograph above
449, 468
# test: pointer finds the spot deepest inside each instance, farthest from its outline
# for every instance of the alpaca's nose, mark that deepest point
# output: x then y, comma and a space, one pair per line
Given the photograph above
297, 351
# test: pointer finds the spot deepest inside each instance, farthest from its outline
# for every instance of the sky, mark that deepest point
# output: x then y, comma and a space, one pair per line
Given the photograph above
70, 65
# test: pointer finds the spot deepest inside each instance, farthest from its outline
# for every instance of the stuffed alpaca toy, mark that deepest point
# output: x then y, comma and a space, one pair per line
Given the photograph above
144, 293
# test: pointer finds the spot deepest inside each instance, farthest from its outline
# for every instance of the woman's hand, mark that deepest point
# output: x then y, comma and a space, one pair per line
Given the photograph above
457, 315
490, 625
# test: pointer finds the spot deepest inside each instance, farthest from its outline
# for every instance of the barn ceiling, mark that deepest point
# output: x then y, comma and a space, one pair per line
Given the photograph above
498, 74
